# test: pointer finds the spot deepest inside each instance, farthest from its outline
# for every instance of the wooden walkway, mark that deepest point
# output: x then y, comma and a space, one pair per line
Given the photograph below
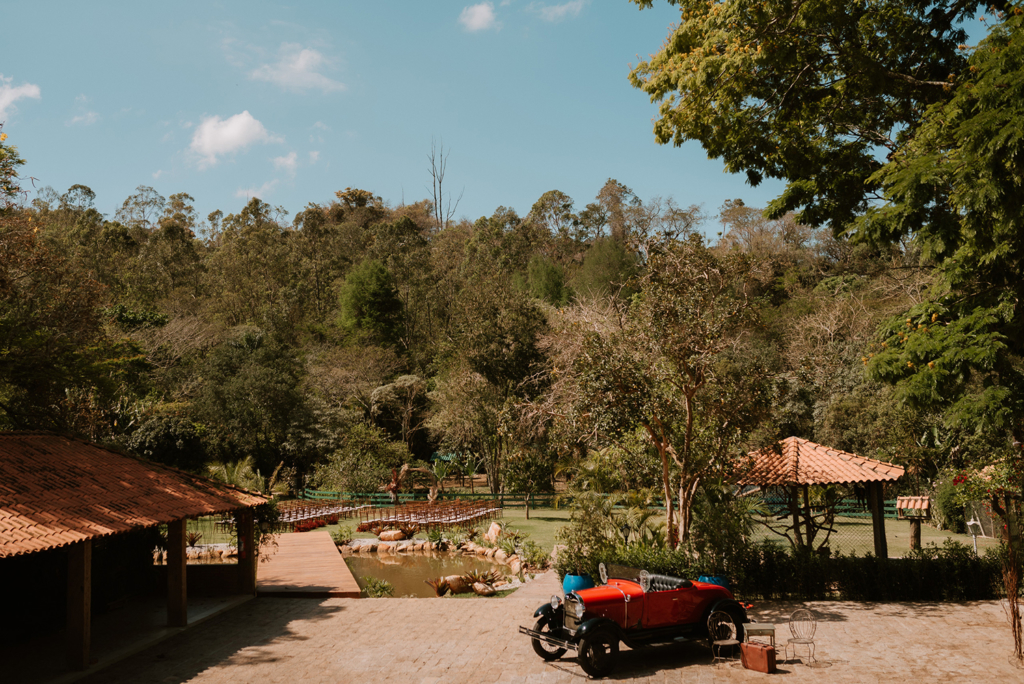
306, 565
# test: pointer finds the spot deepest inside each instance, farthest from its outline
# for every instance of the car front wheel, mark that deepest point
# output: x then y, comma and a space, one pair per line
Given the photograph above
542, 648
598, 652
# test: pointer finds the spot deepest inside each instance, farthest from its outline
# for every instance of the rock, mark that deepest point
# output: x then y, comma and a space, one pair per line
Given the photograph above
482, 589
512, 559
490, 553
500, 583
517, 567
500, 556
392, 535
345, 550
420, 546
493, 532
458, 584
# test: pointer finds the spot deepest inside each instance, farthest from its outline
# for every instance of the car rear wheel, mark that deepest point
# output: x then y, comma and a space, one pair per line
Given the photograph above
542, 648
598, 653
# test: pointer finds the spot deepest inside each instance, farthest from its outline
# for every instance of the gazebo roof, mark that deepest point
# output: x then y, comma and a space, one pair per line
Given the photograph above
796, 461
55, 491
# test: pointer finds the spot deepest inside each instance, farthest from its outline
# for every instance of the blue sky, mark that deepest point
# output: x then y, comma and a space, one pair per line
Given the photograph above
291, 102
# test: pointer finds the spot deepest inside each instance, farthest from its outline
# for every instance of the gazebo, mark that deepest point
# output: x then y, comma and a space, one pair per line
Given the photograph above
58, 492
795, 464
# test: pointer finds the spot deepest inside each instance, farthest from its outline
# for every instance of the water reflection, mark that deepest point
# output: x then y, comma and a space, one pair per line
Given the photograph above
408, 572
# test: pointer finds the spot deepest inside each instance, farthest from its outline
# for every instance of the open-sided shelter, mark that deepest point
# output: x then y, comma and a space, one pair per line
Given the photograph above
60, 492
795, 464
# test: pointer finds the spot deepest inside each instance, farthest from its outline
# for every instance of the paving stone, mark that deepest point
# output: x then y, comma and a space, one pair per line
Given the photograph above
476, 640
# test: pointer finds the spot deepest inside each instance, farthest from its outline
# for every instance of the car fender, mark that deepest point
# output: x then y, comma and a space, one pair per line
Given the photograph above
728, 605
548, 614
594, 624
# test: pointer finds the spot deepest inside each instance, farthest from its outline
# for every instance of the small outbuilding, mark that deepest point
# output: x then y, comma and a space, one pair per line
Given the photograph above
59, 492
794, 464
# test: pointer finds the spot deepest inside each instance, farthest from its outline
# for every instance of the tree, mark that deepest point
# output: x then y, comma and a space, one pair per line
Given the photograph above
813, 93
444, 210
677, 367
370, 305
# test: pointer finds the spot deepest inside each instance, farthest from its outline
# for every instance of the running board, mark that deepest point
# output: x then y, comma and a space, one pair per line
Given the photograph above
547, 638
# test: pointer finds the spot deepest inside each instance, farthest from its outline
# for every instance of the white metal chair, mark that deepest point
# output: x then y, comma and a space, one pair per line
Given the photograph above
802, 625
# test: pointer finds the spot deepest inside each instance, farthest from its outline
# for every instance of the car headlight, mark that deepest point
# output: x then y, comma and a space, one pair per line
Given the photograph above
555, 602
578, 608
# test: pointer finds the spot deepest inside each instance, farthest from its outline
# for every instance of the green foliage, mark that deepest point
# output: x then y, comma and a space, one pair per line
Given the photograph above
607, 268
722, 527
534, 555
949, 510
378, 588
172, 440
547, 281
129, 319
807, 92
363, 462
370, 305
342, 535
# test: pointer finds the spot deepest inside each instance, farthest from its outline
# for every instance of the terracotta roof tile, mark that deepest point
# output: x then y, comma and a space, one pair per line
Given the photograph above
798, 461
58, 490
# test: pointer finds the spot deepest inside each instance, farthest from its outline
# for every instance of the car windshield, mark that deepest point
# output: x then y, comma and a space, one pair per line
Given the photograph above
623, 572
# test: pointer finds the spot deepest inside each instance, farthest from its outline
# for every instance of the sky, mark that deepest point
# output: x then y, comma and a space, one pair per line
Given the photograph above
292, 102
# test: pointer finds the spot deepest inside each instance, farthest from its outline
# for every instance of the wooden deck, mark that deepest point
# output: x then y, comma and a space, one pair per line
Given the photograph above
306, 565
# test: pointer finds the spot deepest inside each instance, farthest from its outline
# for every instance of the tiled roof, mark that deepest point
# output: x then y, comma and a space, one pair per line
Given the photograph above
795, 461
56, 491
913, 503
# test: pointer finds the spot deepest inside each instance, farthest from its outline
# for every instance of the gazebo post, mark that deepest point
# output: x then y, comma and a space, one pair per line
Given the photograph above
79, 616
808, 521
794, 510
877, 502
177, 594
246, 552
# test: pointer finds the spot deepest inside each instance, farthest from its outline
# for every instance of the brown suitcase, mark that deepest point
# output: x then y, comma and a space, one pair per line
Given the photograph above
758, 657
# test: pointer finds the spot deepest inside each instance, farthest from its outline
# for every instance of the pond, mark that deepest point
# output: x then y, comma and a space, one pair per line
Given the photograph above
408, 572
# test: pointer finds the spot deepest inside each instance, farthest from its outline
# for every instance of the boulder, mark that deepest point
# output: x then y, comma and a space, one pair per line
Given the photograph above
493, 532
517, 567
500, 556
490, 553
392, 535
458, 584
482, 589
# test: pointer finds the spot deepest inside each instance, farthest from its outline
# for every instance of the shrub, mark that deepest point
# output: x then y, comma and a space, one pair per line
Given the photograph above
378, 588
342, 535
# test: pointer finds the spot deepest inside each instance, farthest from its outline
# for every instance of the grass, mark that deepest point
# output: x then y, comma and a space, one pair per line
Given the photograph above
854, 535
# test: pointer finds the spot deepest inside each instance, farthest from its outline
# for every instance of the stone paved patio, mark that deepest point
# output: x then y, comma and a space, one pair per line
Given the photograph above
476, 640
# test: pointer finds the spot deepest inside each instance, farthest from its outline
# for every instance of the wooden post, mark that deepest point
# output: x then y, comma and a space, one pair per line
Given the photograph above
246, 552
876, 500
915, 534
177, 594
79, 618
794, 510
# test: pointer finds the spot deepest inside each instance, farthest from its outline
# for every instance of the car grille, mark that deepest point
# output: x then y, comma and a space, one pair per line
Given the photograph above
572, 623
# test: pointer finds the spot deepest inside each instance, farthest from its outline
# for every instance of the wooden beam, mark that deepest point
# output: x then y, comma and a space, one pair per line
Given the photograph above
246, 552
79, 616
177, 593
876, 500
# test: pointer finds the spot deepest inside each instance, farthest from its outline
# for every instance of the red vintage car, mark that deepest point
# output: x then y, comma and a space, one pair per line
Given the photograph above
636, 608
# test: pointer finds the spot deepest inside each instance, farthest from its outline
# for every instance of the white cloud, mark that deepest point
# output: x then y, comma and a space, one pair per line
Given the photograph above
261, 192
314, 157
85, 116
322, 126
215, 137
10, 94
157, 174
558, 12
298, 69
289, 162
86, 119
479, 17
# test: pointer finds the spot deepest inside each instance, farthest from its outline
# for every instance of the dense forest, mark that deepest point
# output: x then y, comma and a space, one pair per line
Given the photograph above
328, 348
626, 344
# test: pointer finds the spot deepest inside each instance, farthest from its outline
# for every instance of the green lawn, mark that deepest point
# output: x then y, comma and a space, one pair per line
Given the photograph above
854, 535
